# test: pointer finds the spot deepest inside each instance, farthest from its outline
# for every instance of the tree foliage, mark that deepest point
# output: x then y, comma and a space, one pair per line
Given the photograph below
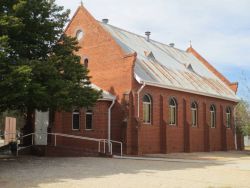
38, 66
243, 117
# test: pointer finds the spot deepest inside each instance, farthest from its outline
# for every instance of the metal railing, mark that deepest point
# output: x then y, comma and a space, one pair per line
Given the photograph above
101, 142
13, 136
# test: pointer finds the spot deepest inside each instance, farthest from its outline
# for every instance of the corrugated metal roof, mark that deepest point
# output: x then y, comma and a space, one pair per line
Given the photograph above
105, 95
168, 66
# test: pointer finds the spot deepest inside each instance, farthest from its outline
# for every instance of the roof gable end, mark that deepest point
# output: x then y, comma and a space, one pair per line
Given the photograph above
232, 86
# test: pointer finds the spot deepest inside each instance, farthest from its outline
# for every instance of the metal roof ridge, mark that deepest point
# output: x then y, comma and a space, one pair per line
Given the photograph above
184, 51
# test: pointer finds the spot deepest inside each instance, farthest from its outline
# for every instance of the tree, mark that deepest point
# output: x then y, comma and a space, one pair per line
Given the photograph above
243, 117
38, 66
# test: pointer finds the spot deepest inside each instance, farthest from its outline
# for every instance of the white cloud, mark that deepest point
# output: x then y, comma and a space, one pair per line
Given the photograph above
219, 29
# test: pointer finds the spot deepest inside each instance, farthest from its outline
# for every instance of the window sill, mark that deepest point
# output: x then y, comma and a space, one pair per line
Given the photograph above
76, 130
146, 123
173, 125
89, 129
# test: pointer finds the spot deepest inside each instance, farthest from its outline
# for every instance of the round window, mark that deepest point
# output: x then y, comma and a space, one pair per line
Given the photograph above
79, 34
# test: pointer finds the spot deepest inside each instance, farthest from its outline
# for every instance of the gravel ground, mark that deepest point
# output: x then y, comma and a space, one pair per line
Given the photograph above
232, 171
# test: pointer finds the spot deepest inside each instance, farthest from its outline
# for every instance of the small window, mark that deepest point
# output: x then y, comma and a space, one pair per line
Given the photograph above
86, 63
212, 116
79, 34
194, 111
89, 117
228, 117
76, 120
147, 109
172, 111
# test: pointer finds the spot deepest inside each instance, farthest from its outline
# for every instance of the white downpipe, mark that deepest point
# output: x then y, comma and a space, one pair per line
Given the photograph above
138, 99
109, 124
235, 127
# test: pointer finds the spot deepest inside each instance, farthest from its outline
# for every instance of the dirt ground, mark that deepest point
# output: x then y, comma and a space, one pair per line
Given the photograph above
247, 147
1, 142
217, 169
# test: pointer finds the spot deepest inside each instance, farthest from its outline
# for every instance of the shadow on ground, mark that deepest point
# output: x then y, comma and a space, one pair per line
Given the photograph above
34, 171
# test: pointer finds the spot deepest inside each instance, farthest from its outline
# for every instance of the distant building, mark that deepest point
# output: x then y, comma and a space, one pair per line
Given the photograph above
165, 99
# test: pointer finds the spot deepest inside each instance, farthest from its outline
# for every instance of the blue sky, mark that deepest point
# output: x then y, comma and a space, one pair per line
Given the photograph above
219, 29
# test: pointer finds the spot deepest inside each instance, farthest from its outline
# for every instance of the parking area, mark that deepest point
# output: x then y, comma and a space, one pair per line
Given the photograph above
217, 169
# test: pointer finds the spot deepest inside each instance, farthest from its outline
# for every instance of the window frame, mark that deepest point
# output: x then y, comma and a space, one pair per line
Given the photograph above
89, 112
212, 116
194, 109
228, 121
76, 112
86, 63
150, 109
170, 111
78, 31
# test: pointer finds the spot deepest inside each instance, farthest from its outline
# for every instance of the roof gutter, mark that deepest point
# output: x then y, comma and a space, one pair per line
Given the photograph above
109, 123
138, 99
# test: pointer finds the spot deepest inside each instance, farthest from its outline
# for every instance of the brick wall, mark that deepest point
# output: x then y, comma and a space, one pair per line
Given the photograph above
162, 137
63, 124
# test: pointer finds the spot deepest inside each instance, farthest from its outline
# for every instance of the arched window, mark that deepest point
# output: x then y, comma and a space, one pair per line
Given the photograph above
86, 63
79, 34
147, 105
172, 111
76, 120
212, 116
88, 118
228, 117
194, 111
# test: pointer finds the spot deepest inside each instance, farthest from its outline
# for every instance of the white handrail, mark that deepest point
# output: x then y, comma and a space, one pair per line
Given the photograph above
99, 140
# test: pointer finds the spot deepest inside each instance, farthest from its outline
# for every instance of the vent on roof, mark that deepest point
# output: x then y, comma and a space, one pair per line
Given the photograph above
171, 45
150, 55
148, 33
189, 67
106, 21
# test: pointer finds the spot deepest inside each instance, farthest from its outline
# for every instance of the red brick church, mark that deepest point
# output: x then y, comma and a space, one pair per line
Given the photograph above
156, 99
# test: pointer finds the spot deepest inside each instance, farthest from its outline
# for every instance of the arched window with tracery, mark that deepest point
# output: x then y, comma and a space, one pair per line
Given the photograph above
194, 114
228, 117
212, 116
172, 111
147, 106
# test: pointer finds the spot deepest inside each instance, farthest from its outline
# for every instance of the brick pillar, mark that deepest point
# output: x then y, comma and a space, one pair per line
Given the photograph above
130, 129
139, 137
206, 129
186, 128
163, 132
223, 130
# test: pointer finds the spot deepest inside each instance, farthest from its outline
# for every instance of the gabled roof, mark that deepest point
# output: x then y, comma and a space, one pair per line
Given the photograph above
160, 65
